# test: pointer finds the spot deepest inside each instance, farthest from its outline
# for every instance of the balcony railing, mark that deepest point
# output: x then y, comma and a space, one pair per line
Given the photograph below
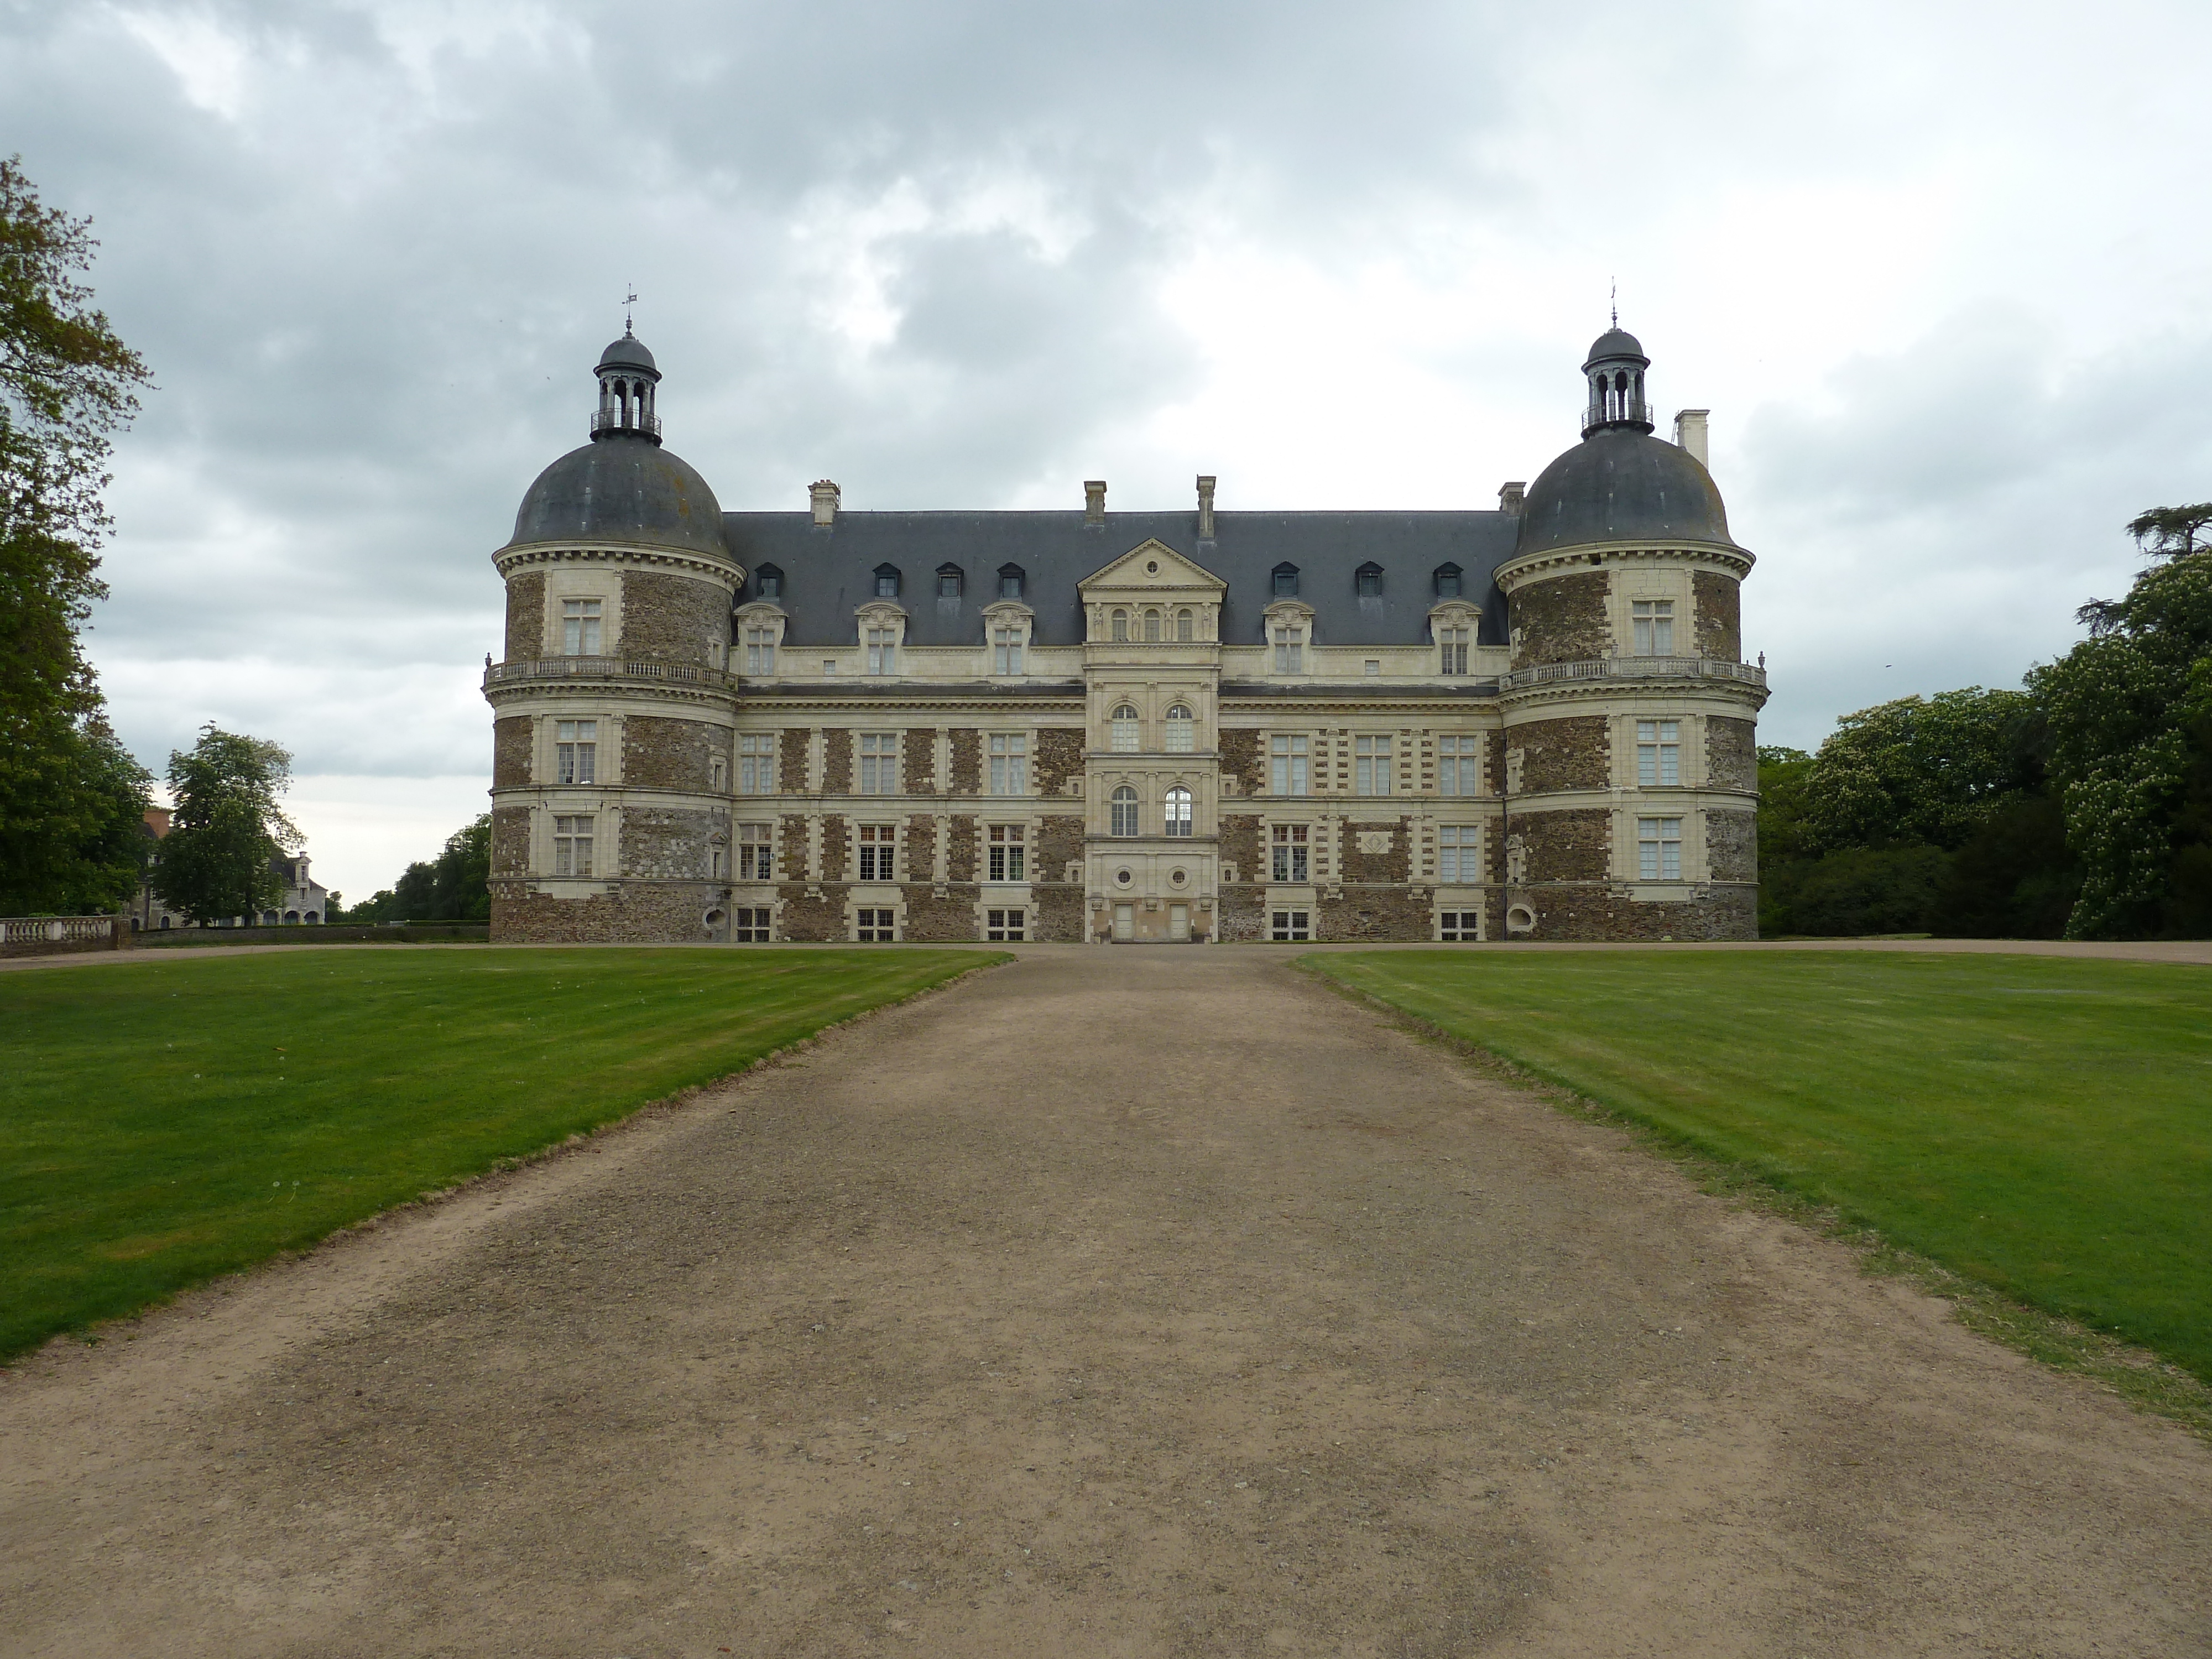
1632, 668
604, 668
1615, 410
613, 420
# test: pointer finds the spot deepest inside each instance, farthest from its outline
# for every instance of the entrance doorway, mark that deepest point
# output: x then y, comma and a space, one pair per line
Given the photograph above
1125, 922
1179, 922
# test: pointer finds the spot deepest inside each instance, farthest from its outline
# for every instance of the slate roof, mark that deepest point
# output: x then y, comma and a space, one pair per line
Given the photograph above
621, 488
828, 572
1619, 484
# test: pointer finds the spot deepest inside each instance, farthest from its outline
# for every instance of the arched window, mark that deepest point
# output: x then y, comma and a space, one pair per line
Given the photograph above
1287, 581
1125, 810
1448, 584
887, 581
948, 581
1010, 582
1179, 729
768, 582
1368, 578
1121, 625
1125, 729
1151, 628
1178, 811
1184, 627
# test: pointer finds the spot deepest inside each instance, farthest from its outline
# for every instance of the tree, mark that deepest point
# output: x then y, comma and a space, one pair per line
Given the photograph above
455, 886
66, 384
229, 826
1920, 771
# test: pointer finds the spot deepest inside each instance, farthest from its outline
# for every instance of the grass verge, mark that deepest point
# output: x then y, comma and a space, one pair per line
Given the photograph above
163, 1122
2029, 1137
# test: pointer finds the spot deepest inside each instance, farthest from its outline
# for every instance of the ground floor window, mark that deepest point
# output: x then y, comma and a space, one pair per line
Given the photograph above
572, 846
1459, 927
756, 853
1007, 847
875, 927
752, 926
1288, 845
1005, 927
1291, 926
1457, 845
878, 848
1659, 849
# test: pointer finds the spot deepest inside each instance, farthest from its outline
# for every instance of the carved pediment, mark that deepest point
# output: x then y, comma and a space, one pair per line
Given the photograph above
1152, 567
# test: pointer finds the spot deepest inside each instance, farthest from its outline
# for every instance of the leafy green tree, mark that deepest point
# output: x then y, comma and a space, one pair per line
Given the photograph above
455, 886
66, 385
229, 825
1920, 771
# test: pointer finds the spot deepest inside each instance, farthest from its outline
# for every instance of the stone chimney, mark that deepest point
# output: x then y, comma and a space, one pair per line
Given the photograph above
1510, 495
1690, 433
823, 495
1205, 506
1094, 501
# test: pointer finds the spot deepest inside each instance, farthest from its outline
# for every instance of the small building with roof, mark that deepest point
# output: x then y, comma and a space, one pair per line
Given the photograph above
1203, 724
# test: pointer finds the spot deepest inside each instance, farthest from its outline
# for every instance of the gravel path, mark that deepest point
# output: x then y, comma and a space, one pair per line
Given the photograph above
1125, 1302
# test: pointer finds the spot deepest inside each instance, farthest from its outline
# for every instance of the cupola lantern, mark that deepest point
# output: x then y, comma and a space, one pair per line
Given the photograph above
627, 379
1615, 370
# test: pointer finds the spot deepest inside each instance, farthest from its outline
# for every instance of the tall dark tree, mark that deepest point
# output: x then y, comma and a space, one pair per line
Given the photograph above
66, 385
229, 825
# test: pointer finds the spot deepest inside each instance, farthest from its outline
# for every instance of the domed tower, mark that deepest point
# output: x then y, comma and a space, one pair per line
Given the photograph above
614, 707
1630, 716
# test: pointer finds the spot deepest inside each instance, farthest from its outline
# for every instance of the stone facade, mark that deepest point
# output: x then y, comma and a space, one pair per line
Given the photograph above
1563, 619
1731, 754
1394, 862
669, 754
1573, 751
526, 615
669, 619
837, 762
918, 756
1241, 761
967, 761
510, 752
1732, 844
791, 759
1057, 760
1717, 601
1575, 844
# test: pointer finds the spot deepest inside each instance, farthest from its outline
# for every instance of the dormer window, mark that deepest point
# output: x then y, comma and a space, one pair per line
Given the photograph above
1010, 582
1369, 580
1287, 581
1289, 650
1448, 583
768, 582
887, 581
948, 581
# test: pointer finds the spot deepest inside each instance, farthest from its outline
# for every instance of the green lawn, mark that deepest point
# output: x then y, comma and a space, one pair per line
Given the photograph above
161, 1122
2042, 1124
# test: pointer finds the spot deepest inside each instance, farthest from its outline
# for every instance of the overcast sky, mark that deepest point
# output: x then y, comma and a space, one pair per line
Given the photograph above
1941, 273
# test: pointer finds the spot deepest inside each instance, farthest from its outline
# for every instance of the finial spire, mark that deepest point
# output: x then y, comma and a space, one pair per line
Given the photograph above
630, 299
1616, 301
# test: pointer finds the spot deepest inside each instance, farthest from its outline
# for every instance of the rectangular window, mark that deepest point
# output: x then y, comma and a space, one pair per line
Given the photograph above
1010, 766
1658, 751
879, 763
760, 651
1456, 760
878, 852
829, 667
1287, 841
757, 762
572, 846
1007, 852
1458, 852
718, 863
576, 751
755, 851
1287, 762
1291, 927
1371, 667
752, 925
1452, 642
1006, 651
883, 651
1371, 766
1003, 926
1459, 926
1653, 621
580, 627
1659, 849
1289, 650
875, 927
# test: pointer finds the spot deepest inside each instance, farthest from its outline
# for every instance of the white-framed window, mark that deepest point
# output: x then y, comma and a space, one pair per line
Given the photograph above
1658, 751
1186, 626
1181, 729
1151, 628
1124, 813
1290, 651
576, 751
1286, 762
879, 763
1120, 627
1006, 651
1459, 927
1005, 927
1178, 810
879, 849
1458, 766
1291, 927
1659, 849
1125, 736
1451, 643
757, 762
1008, 854
752, 924
1371, 766
580, 627
1010, 763
1287, 847
572, 845
828, 666
1372, 668
1459, 852
875, 927
760, 650
882, 650
1653, 620
755, 851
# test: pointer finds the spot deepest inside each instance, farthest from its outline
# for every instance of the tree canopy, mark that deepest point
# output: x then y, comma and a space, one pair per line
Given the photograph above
229, 825
455, 886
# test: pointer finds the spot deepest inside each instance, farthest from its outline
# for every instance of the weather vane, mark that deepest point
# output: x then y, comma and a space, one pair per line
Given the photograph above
630, 299
1616, 301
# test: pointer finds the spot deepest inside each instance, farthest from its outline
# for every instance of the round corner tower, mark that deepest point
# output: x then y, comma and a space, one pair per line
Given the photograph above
613, 708
1630, 717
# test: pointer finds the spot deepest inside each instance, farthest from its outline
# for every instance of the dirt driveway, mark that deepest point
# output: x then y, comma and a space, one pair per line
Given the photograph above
1121, 1302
